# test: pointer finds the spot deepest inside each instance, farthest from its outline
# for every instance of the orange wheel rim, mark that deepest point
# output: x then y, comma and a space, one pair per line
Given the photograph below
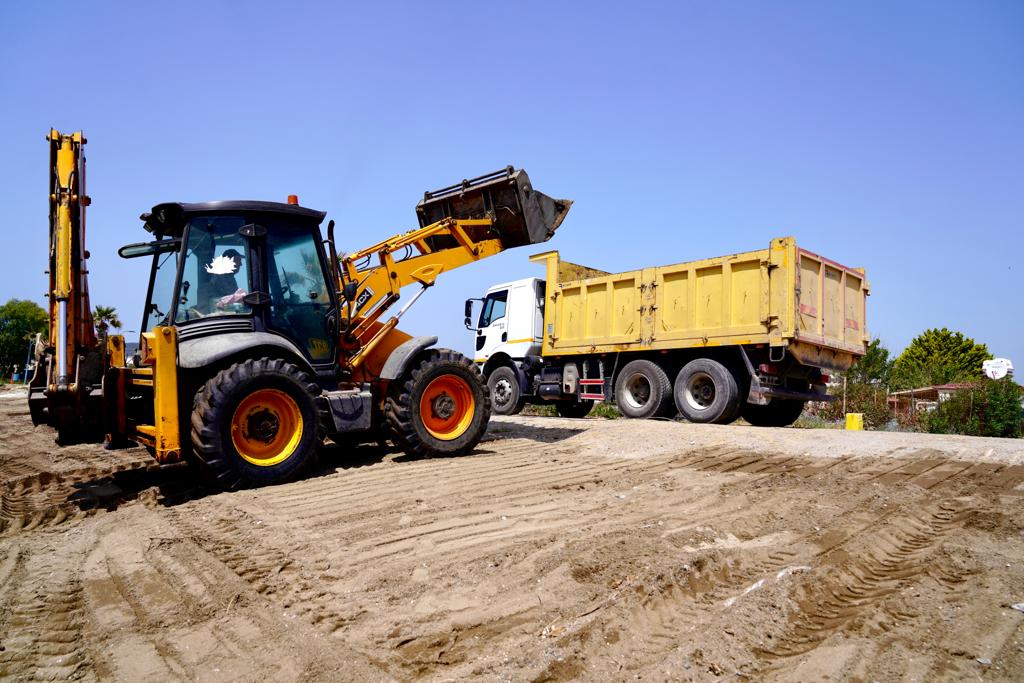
447, 407
266, 427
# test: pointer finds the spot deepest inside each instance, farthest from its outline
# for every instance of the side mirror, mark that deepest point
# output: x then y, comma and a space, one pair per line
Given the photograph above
350, 290
148, 248
469, 314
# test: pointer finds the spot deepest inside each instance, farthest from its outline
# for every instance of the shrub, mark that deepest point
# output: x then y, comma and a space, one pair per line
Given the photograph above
986, 408
868, 399
605, 410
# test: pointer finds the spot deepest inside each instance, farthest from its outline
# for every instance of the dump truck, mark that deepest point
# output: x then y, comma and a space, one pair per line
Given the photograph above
257, 341
753, 335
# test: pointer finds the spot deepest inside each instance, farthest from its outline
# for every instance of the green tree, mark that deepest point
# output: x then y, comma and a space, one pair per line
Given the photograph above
939, 357
864, 389
105, 317
873, 368
20, 322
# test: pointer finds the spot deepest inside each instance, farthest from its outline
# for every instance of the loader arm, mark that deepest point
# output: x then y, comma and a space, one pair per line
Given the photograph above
461, 224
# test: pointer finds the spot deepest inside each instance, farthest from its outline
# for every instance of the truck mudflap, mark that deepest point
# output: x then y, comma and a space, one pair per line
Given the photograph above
760, 394
520, 214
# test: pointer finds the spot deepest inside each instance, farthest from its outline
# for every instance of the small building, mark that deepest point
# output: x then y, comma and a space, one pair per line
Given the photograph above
923, 399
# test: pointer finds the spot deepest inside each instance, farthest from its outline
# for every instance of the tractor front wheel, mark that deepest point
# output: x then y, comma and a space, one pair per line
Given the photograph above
439, 407
256, 423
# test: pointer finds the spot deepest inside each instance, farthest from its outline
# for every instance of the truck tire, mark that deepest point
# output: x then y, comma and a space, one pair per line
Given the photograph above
574, 408
706, 391
439, 407
256, 423
643, 390
506, 396
780, 412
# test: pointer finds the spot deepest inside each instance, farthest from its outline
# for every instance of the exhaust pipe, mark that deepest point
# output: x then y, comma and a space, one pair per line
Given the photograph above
520, 215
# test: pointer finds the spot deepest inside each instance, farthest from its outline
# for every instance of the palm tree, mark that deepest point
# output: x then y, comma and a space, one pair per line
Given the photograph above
104, 317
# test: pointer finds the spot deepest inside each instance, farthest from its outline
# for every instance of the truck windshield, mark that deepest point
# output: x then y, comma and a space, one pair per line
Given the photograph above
494, 307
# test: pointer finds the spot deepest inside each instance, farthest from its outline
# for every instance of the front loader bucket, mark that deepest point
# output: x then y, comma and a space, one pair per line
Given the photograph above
520, 214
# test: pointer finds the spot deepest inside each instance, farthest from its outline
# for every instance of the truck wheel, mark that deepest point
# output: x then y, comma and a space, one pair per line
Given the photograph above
256, 423
574, 408
706, 391
642, 389
506, 397
780, 412
439, 407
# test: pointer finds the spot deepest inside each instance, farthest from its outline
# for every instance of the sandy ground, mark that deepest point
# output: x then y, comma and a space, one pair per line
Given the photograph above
559, 550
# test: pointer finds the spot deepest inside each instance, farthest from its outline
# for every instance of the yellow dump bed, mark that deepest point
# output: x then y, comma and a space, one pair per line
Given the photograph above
782, 296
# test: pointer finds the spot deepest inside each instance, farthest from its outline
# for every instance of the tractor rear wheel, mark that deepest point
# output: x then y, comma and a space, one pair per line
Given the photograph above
256, 423
439, 407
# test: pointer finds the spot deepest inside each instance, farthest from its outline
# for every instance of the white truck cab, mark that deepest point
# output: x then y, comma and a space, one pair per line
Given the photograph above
509, 336
511, 321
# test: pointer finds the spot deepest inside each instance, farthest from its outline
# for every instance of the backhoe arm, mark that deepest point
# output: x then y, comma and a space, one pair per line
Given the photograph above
71, 325
65, 388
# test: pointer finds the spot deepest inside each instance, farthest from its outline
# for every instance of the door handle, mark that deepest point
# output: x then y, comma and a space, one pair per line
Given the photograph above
504, 336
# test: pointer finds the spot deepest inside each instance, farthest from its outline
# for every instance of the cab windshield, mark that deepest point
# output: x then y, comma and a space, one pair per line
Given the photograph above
215, 270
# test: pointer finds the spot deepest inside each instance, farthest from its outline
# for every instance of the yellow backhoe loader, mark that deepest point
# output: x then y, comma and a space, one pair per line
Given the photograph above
258, 341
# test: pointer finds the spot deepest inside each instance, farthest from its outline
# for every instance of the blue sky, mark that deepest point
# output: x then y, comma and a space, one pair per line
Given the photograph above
887, 135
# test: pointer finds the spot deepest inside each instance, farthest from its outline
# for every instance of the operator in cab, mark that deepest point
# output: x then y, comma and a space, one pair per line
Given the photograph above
223, 289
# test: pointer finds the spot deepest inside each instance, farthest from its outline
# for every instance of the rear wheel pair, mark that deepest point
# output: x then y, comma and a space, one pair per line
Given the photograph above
704, 391
707, 391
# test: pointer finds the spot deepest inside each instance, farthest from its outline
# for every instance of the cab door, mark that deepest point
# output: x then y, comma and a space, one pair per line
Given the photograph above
300, 300
492, 328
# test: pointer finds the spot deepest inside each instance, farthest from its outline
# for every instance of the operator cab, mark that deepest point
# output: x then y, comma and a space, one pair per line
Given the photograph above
240, 267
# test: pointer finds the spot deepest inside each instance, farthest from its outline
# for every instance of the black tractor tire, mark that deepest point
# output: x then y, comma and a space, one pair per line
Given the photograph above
643, 390
707, 392
440, 406
577, 409
506, 396
240, 418
780, 412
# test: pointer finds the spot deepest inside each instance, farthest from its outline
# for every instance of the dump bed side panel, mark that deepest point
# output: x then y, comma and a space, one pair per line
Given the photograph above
712, 302
832, 303
704, 302
781, 296
602, 310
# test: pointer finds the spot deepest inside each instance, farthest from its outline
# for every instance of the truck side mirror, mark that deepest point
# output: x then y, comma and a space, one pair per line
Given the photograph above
469, 314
